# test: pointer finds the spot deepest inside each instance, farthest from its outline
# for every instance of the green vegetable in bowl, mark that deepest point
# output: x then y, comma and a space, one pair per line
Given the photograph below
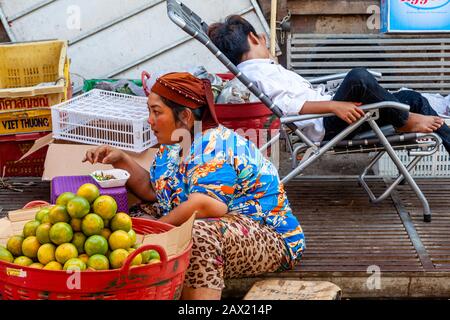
103, 177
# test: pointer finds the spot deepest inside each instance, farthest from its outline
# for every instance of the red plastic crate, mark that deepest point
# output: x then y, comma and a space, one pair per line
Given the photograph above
13, 147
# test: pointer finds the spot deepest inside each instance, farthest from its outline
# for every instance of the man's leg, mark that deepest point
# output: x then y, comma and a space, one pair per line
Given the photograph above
419, 104
360, 86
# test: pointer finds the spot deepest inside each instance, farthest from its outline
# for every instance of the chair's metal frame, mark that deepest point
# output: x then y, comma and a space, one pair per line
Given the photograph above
427, 144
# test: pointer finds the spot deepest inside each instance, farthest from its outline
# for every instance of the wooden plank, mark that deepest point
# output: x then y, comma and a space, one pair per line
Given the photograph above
327, 71
335, 36
418, 86
329, 7
372, 55
10, 200
368, 48
274, 289
371, 41
349, 64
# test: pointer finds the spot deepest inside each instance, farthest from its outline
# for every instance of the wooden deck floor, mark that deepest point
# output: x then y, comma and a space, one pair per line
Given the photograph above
383, 251
378, 251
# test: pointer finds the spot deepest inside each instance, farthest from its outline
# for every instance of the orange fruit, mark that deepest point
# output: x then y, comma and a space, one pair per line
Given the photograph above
84, 257
46, 253
64, 198
98, 262
153, 261
92, 224
121, 221
150, 255
136, 260
132, 235
89, 191
119, 240
29, 229
5, 255
30, 247
23, 261
96, 245
78, 241
54, 265
118, 257
58, 214
105, 207
74, 264
41, 214
46, 218
78, 207
14, 245
61, 233
36, 265
43, 233
105, 233
75, 224
65, 252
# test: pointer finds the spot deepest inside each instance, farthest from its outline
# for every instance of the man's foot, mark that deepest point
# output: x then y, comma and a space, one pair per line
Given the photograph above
420, 123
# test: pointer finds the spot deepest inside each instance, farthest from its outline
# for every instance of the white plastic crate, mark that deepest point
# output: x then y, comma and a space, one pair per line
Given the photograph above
102, 117
436, 165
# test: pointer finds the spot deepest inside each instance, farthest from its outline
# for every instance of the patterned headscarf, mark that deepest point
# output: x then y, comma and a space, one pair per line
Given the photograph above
186, 90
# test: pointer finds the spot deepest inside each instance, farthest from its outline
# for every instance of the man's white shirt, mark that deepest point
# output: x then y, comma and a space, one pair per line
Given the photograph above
288, 90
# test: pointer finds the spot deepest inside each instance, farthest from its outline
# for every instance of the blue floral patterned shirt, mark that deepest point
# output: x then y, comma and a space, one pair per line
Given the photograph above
231, 169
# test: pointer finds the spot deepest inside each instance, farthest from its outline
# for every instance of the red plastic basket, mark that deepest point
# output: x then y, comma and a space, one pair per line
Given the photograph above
36, 204
161, 281
254, 121
248, 119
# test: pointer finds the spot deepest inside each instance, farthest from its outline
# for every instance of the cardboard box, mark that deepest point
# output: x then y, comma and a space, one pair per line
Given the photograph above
415, 16
66, 159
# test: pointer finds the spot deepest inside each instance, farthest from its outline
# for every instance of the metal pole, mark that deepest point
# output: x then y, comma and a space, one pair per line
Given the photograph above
5, 23
273, 27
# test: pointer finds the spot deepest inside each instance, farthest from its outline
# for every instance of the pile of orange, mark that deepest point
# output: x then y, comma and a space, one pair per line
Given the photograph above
82, 231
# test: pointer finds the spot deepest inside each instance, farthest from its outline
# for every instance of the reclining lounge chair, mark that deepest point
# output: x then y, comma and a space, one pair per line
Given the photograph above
417, 144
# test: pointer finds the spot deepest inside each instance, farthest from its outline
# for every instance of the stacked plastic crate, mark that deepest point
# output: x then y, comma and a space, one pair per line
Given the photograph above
33, 77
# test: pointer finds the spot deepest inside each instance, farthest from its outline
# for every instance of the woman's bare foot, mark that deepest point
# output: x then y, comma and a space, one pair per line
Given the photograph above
420, 123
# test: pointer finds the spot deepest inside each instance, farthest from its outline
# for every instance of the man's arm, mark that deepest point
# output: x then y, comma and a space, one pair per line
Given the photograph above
347, 111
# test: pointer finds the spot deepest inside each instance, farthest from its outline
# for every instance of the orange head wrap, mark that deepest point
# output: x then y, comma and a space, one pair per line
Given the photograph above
186, 90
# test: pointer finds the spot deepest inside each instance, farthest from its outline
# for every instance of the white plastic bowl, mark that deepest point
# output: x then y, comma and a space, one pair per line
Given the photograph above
121, 178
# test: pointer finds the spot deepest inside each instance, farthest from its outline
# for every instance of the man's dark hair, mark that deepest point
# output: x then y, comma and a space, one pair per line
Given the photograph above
231, 37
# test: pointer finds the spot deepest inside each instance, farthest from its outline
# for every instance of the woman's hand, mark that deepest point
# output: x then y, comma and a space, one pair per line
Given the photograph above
105, 155
347, 111
139, 181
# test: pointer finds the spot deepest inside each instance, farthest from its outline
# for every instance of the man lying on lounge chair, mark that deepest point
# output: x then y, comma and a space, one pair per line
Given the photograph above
238, 40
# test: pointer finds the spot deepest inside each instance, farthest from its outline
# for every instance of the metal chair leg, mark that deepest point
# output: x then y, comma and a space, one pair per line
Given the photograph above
402, 170
390, 188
